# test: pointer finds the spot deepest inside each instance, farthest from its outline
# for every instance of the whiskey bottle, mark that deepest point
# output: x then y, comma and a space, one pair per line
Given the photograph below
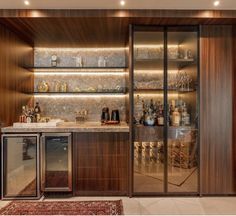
176, 118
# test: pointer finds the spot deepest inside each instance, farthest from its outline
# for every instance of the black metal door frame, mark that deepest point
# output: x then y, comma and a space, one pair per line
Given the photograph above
132, 29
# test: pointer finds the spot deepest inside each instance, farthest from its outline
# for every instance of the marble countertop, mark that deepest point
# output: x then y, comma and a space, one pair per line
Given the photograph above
70, 127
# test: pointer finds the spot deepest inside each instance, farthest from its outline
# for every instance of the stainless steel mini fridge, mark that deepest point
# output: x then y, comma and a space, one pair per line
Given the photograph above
20, 166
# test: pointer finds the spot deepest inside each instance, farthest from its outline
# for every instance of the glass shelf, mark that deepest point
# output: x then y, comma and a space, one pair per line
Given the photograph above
159, 90
77, 69
158, 59
76, 93
158, 63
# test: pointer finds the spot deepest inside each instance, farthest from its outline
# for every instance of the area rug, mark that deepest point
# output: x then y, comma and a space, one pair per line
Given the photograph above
63, 208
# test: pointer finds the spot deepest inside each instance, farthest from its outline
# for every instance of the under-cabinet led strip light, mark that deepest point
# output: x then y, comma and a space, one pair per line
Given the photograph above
146, 94
154, 46
80, 73
61, 95
84, 49
149, 72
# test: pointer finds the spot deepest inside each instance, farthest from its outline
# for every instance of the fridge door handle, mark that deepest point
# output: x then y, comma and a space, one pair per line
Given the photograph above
42, 159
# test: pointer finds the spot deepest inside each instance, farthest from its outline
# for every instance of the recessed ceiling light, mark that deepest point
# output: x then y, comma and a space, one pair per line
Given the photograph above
26, 2
122, 2
216, 3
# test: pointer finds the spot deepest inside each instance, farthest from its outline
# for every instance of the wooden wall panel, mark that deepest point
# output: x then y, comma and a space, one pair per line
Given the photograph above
14, 80
100, 163
234, 103
216, 85
111, 30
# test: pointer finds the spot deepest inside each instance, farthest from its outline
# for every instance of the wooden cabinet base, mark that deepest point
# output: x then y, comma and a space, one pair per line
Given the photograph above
100, 162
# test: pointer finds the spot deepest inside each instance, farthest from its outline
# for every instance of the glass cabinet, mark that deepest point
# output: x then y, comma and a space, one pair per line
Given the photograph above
20, 166
165, 109
56, 162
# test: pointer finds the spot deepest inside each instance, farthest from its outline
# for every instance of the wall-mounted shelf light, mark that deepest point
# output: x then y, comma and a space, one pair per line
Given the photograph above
79, 95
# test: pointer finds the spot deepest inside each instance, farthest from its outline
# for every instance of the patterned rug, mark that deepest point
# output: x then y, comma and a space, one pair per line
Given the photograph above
63, 208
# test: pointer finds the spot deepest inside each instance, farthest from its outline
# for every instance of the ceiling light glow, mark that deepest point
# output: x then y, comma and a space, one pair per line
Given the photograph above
216, 3
26, 2
122, 2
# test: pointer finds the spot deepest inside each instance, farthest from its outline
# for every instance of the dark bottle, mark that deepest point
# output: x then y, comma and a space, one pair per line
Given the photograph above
37, 112
160, 118
37, 108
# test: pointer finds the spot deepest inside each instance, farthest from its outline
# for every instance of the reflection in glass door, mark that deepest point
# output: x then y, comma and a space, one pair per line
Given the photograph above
148, 111
165, 110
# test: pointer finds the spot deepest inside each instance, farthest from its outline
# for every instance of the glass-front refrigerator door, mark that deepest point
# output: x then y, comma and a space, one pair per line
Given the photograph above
20, 166
56, 162
148, 110
182, 110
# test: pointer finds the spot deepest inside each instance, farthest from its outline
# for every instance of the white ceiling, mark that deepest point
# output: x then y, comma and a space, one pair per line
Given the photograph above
114, 4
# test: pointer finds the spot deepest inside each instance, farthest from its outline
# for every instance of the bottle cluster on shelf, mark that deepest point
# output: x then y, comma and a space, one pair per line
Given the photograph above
64, 87
30, 114
152, 113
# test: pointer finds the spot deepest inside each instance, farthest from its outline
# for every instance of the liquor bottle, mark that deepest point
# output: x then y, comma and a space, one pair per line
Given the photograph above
176, 118
37, 112
151, 105
142, 119
160, 118
171, 110
28, 116
22, 118
185, 116
138, 109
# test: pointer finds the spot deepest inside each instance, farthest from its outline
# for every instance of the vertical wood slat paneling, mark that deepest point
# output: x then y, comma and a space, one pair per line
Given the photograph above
14, 79
216, 94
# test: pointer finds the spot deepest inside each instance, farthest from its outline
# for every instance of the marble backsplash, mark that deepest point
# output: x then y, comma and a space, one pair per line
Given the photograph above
65, 107
90, 57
